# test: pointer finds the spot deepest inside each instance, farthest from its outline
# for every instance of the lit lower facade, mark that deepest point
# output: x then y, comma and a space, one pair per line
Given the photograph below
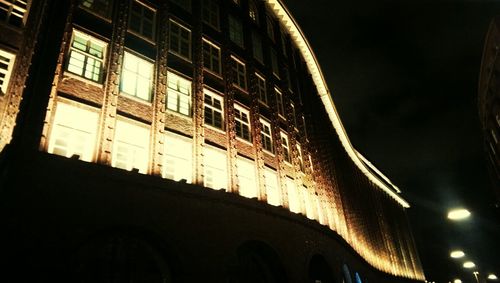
225, 95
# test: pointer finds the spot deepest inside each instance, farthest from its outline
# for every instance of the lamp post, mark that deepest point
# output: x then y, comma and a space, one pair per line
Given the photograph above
476, 275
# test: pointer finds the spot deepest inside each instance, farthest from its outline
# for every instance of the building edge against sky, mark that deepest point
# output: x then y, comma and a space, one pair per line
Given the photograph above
253, 116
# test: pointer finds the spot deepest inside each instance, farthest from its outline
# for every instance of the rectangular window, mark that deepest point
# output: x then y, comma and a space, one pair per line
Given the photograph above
242, 121
293, 196
286, 147
73, 132
210, 13
279, 102
304, 128
274, 63
301, 159
6, 65
261, 89
257, 47
184, 4
272, 188
137, 77
239, 73
283, 42
178, 94
236, 31
211, 57
142, 20
270, 28
178, 158
13, 11
253, 12
215, 168
213, 110
86, 56
131, 146
294, 117
266, 137
308, 202
180, 40
100, 7
246, 177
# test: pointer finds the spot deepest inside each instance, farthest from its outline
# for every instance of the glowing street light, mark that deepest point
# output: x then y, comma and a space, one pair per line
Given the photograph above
469, 264
492, 276
457, 254
457, 281
458, 214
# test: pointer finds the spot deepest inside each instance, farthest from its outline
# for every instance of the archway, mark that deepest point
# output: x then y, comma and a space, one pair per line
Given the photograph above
320, 271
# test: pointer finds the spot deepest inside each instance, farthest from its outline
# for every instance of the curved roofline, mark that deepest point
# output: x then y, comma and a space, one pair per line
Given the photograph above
286, 19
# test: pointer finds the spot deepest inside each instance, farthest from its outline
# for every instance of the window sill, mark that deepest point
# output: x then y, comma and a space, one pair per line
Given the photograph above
68, 74
136, 99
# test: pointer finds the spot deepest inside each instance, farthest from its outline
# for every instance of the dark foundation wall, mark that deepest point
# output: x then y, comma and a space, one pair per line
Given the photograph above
65, 220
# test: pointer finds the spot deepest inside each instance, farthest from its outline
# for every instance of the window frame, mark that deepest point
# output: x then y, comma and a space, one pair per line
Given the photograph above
236, 33
89, 39
137, 73
180, 41
177, 155
280, 105
177, 94
14, 10
285, 145
238, 119
213, 46
96, 10
211, 13
262, 89
239, 70
140, 33
213, 96
145, 148
11, 57
263, 135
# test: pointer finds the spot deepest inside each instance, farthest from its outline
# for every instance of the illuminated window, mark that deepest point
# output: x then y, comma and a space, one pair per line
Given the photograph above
253, 12
246, 177
178, 94
294, 117
293, 196
131, 146
270, 28
265, 136
142, 20
272, 189
180, 40
242, 121
261, 89
236, 31
13, 11
73, 132
308, 202
100, 7
257, 47
210, 13
6, 64
274, 63
137, 77
184, 4
178, 158
286, 146
211, 57
279, 102
213, 109
215, 168
301, 159
86, 56
239, 71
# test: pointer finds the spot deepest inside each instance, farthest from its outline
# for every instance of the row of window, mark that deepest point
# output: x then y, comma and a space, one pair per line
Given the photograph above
74, 132
6, 65
14, 12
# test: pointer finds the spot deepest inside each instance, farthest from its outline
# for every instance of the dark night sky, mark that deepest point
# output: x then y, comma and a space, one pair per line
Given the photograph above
403, 75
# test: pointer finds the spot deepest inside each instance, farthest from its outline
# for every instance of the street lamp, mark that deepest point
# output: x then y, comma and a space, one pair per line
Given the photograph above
458, 214
457, 281
469, 264
457, 254
492, 276
476, 275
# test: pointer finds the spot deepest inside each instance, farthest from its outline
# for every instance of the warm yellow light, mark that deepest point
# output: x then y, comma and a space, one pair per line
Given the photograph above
457, 254
469, 264
458, 214
457, 281
492, 277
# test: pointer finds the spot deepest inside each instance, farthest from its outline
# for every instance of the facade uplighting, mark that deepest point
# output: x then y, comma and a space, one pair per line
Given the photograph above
457, 254
458, 214
469, 264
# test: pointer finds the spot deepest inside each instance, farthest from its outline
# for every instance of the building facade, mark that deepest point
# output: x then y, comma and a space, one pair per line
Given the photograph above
179, 141
489, 102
